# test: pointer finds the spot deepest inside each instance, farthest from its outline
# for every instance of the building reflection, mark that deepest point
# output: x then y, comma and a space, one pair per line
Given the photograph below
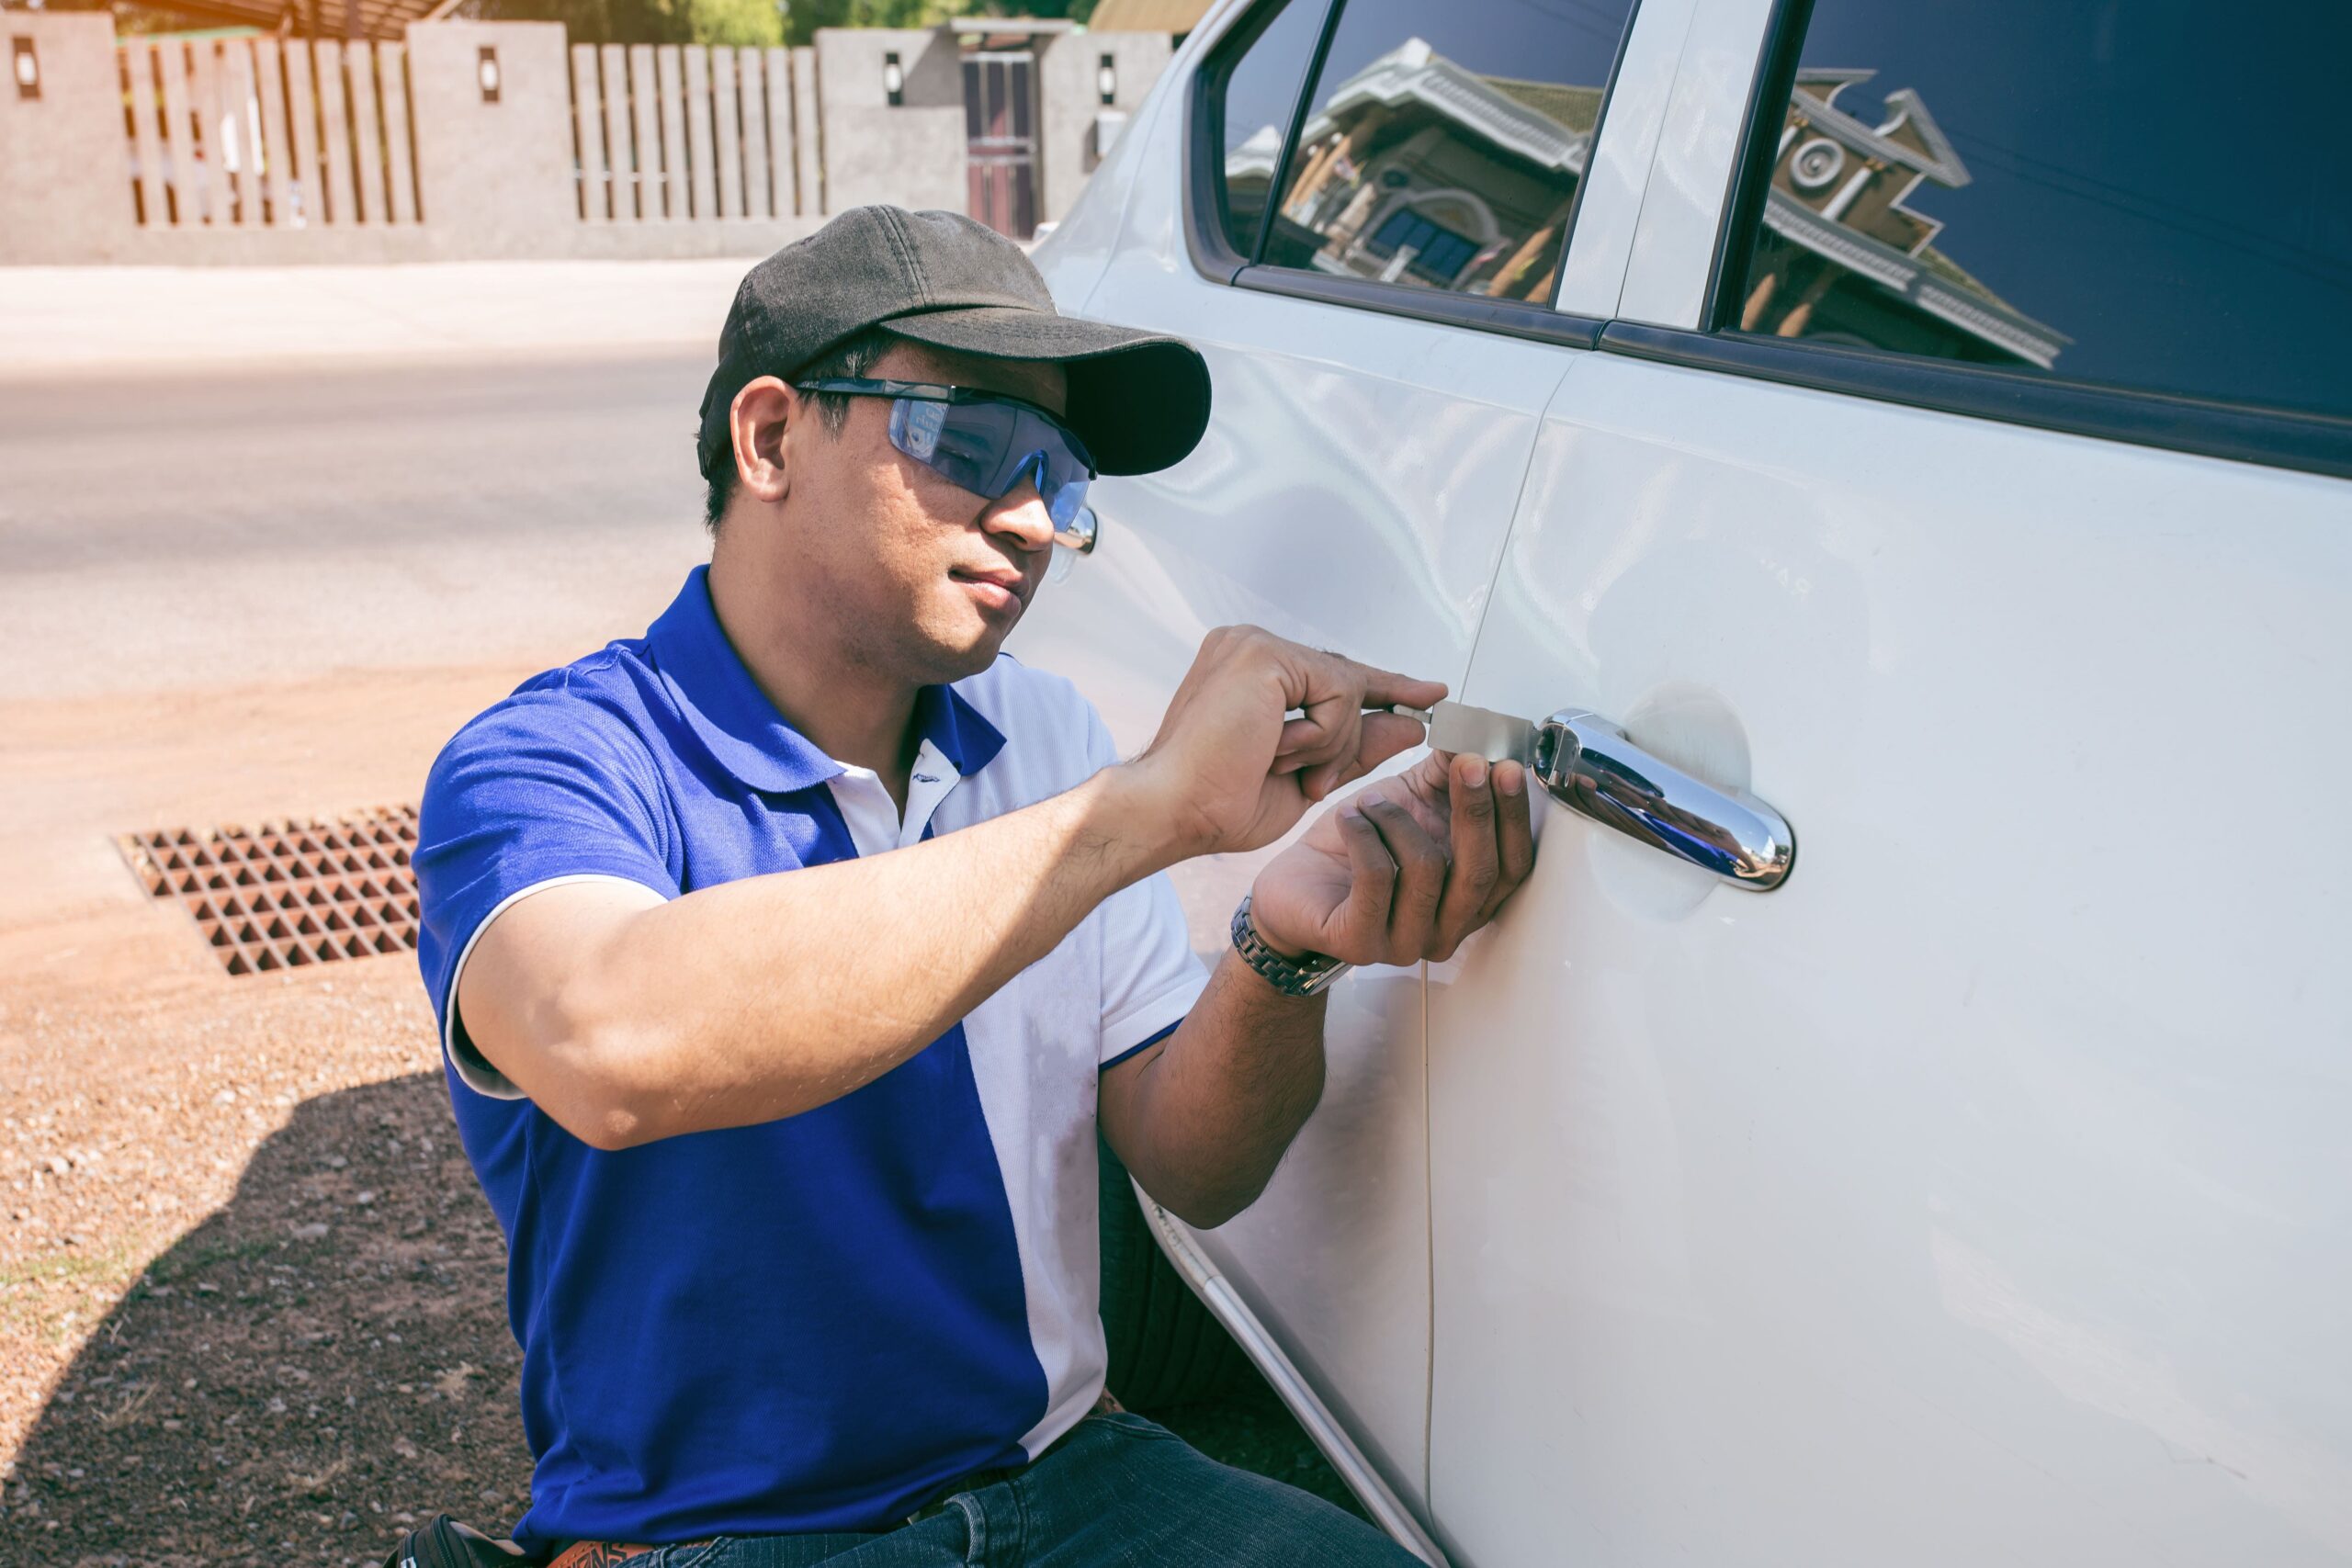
1417, 171
1842, 258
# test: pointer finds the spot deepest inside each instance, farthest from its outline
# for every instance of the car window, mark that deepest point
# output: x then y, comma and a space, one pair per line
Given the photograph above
1260, 89
2158, 196
1445, 143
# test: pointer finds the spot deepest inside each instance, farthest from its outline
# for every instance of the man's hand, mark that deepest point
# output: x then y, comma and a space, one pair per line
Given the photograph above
1403, 870
1229, 771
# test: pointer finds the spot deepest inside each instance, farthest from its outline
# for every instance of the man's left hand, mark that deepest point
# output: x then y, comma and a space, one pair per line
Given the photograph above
1404, 868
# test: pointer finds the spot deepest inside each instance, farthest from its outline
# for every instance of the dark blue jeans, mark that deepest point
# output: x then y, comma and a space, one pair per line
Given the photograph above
1119, 1490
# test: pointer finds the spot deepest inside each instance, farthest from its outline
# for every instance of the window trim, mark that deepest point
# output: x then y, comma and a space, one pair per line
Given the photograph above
2312, 444
2207, 427
1774, 79
1508, 318
1213, 255
1217, 260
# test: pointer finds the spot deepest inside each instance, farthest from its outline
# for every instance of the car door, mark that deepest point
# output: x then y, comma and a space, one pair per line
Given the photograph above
1965, 477
1382, 350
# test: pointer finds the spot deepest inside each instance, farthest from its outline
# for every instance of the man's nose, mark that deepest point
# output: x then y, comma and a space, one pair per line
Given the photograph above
1020, 516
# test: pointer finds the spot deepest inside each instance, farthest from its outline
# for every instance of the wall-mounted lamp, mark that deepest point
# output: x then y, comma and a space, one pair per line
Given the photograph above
28, 66
894, 78
486, 72
1106, 80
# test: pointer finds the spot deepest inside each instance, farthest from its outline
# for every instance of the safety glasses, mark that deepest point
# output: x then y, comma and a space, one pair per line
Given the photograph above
985, 443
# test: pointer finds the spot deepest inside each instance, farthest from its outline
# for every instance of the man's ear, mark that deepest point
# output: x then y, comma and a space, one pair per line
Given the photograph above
762, 412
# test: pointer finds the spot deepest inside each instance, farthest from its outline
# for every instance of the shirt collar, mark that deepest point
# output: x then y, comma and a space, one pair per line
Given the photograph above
741, 728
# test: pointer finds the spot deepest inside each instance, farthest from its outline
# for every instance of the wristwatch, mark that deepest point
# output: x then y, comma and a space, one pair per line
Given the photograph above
1297, 977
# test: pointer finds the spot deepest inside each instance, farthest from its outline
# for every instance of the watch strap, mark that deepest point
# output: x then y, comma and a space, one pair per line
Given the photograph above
1304, 977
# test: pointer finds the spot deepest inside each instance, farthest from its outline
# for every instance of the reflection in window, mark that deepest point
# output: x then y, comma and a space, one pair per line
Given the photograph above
1843, 258
2150, 197
1430, 158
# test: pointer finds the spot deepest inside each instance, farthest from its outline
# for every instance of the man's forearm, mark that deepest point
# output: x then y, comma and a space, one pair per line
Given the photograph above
1208, 1115
761, 998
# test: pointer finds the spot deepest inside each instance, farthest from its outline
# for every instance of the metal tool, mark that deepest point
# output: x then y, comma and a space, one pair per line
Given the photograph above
1590, 766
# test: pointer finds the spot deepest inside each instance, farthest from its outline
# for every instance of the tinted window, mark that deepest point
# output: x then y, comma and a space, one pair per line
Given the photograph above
1260, 94
2154, 194
1446, 142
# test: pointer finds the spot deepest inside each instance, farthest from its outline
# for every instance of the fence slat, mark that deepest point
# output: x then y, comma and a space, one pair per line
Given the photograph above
239, 140
673, 133
698, 153
644, 132
301, 137
234, 88
730, 146
181, 170
269, 86
588, 125
808, 177
757, 200
334, 145
139, 59
204, 93
775, 68
367, 142
616, 142
392, 67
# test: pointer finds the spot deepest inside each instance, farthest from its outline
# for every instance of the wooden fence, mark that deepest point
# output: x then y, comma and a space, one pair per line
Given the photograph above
256, 132
675, 133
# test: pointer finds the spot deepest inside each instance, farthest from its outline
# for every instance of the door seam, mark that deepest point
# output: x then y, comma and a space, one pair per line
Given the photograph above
1428, 1040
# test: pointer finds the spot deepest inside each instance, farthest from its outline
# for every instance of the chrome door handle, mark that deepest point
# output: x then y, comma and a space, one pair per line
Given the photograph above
1590, 766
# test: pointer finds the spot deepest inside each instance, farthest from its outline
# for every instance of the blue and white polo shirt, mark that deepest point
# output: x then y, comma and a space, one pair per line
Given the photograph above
813, 1324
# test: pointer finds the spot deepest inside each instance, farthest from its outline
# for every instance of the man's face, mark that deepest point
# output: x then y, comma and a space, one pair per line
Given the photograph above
920, 578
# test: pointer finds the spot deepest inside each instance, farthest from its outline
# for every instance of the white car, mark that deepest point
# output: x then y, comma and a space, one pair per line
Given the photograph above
1927, 422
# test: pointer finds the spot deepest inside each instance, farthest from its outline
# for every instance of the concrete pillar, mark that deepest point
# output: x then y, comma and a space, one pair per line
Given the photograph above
1071, 109
56, 203
909, 154
497, 179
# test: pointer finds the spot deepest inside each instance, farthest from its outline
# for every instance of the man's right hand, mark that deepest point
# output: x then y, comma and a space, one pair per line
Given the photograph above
1230, 770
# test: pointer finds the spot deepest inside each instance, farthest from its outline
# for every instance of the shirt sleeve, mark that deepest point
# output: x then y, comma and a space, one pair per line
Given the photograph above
532, 794
1151, 976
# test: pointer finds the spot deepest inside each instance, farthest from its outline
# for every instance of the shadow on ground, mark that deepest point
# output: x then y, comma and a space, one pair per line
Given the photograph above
326, 1359
326, 1352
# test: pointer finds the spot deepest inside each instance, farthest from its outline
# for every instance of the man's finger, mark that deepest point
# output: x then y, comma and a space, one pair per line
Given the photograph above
1514, 833
1373, 883
1421, 879
1385, 735
1470, 882
1332, 691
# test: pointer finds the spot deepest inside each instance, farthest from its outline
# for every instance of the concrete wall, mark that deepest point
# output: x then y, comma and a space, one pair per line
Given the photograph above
498, 180
64, 183
1069, 105
499, 173
910, 153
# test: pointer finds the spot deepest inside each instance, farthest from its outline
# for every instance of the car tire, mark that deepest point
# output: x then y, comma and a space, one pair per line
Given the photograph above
1166, 1348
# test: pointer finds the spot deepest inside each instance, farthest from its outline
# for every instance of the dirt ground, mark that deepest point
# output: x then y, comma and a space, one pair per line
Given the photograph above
250, 1296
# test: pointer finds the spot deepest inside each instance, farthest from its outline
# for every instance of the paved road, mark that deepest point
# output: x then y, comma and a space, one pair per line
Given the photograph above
225, 527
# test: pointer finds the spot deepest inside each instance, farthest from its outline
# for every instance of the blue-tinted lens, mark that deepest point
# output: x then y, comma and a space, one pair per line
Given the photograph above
988, 447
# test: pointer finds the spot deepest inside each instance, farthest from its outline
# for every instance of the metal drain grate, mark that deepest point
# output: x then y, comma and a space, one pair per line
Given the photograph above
283, 895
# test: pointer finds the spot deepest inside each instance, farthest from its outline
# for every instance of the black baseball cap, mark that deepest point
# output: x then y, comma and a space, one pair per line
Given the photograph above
1139, 400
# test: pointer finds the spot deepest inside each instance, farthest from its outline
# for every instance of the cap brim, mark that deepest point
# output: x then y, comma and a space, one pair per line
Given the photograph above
1139, 400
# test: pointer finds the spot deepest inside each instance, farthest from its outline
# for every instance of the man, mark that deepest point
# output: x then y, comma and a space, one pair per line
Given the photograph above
787, 957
